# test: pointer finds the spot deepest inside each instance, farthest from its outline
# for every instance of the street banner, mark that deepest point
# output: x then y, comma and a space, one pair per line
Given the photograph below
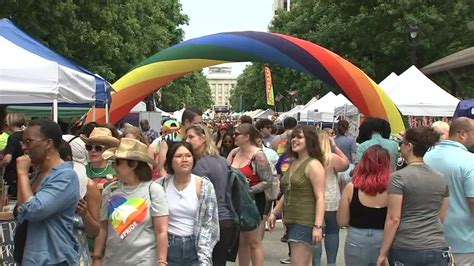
269, 86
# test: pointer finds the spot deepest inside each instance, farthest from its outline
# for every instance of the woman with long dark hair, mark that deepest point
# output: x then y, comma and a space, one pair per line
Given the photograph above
363, 207
303, 203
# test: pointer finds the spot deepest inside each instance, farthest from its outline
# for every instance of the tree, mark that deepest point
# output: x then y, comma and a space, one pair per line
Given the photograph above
189, 90
107, 37
371, 35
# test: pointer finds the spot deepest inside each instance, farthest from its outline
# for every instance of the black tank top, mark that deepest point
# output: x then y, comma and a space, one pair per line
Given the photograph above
365, 217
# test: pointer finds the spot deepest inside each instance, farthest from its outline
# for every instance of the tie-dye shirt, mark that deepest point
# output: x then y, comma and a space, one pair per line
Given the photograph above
128, 211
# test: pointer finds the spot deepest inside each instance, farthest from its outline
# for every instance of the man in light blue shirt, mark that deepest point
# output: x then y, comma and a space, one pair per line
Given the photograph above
49, 202
454, 159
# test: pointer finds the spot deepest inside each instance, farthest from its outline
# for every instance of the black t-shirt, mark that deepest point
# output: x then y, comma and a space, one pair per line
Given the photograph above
14, 148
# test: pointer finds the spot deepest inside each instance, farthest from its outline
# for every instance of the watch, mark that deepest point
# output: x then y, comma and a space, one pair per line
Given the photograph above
317, 226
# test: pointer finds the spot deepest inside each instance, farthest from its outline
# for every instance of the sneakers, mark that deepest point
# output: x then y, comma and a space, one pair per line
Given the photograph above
285, 261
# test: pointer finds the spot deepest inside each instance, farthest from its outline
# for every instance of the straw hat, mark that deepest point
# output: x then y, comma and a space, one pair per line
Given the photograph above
101, 136
130, 149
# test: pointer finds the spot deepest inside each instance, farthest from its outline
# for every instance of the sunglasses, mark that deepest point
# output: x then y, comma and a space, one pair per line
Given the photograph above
90, 147
400, 142
227, 141
236, 134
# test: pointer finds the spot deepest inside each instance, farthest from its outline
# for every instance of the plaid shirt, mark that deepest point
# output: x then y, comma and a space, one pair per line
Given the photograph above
151, 135
206, 222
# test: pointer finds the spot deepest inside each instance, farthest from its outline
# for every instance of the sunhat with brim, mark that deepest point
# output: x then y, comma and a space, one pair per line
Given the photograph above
129, 149
101, 136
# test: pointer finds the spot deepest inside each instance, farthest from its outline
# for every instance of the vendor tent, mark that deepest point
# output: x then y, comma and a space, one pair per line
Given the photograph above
264, 114
31, 73
323, 109
416, 95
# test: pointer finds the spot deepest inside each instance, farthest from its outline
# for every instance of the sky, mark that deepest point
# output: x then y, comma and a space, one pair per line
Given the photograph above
215, 16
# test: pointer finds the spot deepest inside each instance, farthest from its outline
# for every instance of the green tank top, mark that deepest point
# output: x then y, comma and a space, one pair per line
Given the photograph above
300, 202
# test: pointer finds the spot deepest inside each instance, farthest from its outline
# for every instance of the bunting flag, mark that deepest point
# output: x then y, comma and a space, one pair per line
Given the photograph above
269, 86
274, 48
279, 97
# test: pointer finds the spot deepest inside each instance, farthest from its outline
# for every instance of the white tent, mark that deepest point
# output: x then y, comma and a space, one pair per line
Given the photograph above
293, 113
323, 109
28, 78
416, 95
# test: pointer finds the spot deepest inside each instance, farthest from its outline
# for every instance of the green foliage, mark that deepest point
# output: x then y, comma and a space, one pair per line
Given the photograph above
251, 85
370, 34
106, 36
189, 90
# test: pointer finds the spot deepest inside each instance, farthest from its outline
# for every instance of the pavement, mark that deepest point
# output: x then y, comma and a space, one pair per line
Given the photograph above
275, 250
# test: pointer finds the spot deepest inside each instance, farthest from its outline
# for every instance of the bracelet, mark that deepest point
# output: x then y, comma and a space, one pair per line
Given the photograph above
161, 262
317, 226
96, 257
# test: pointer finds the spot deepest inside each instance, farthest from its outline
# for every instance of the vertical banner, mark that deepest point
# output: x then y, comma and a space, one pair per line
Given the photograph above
269, 86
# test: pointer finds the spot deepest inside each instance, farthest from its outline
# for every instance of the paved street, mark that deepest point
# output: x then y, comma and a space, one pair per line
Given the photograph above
276, 250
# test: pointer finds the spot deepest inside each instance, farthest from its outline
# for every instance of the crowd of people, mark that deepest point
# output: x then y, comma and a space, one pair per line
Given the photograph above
102, 195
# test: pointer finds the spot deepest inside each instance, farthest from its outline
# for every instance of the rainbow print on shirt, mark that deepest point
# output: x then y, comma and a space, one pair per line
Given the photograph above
126, 214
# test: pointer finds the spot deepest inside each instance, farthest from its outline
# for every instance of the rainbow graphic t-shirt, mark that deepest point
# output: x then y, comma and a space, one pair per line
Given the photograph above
126, 214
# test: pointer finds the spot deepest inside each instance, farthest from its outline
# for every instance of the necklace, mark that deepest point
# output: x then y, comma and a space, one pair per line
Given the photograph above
130, 193
180, 188
99, 173
416, 163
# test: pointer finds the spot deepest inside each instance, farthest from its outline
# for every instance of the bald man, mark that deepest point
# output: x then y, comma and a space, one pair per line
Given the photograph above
442, 128
454, 159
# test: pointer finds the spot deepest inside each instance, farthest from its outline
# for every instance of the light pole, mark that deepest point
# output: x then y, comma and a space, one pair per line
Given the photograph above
411, 35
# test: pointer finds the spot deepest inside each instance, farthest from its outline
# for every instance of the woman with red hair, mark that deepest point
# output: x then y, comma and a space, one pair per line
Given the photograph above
363, 207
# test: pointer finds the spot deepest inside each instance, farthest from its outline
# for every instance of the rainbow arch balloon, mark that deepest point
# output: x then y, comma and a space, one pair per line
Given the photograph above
284, 50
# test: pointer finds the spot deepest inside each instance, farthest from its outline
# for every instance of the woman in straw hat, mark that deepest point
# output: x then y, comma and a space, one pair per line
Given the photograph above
134, 211
194, 224
98, 169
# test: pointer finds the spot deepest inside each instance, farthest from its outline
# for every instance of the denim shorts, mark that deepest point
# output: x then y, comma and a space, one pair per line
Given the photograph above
182, 251
300, 233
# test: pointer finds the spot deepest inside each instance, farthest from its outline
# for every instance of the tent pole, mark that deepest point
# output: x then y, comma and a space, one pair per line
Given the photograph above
93, 113
55, 110
106, 112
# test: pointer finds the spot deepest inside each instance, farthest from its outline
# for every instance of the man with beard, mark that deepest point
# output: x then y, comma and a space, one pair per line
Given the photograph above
454, 159
48, 202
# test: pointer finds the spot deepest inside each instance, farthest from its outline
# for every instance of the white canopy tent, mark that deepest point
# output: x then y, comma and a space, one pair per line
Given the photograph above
27, 78
323, 109
415, 95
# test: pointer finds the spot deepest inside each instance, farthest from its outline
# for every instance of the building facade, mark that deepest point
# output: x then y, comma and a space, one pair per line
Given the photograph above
222, 82
281, 4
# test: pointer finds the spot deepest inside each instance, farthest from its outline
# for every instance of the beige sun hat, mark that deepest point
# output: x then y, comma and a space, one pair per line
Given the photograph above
101, 136
130, 149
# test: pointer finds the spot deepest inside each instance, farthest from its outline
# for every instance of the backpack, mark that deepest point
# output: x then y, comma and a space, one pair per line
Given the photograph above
240, 202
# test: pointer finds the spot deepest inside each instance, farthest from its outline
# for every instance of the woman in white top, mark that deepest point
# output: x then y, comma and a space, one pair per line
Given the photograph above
134, 212
193, 228
334, 161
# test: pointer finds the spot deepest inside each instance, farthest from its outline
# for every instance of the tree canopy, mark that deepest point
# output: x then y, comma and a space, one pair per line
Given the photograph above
373, 36
108, 37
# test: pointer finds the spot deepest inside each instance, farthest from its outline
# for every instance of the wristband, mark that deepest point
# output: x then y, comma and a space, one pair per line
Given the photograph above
96, 257
161, 262
317, 226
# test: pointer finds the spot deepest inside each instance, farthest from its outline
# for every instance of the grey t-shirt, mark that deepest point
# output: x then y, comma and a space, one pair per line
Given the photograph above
131, 236
216, 168
423, 191
347, 144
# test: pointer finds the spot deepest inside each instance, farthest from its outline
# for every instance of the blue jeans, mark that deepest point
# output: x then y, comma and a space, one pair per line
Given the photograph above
405, 257
362, 246
182, 251
331, 240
